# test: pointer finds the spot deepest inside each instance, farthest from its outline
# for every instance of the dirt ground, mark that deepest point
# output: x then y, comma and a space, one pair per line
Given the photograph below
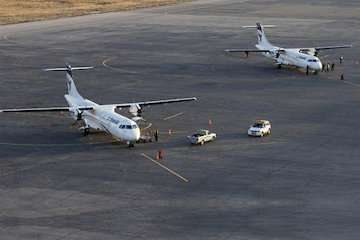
35, 10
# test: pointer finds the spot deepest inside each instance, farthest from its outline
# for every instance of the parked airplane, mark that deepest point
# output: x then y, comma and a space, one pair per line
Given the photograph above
100, 117
300, 57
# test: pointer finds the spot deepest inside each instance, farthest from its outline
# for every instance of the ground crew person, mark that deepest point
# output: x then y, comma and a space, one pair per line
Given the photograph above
342, 77
156, 135
332, 66
341, 59
160, 155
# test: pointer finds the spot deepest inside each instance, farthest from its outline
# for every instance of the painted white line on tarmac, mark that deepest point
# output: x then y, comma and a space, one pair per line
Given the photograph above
105, 64
351, 83
173, 116
166, 168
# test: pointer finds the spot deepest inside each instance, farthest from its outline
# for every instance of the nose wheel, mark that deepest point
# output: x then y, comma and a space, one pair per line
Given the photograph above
130, 144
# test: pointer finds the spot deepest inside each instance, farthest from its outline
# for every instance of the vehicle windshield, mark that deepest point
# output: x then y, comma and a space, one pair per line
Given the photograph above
201, 133
258, 125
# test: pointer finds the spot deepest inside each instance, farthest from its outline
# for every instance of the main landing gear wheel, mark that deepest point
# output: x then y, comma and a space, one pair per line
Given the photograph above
279, 66
86, 131
131, 145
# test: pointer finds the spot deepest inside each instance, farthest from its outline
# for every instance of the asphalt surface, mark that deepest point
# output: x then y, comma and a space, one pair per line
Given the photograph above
302, 182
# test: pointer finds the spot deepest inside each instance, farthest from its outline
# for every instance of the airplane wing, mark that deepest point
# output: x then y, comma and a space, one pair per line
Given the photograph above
326, 47
245, 50
81, 108
48, 109
157, 102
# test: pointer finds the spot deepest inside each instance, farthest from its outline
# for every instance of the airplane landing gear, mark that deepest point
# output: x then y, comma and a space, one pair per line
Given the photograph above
130, 144
279, 66
85, 130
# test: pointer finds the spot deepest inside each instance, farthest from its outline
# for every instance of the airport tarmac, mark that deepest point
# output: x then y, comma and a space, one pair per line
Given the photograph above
299, 183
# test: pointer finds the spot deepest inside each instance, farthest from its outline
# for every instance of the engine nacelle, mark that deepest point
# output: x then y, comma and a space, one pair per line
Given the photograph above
273, 52
76, 114
135, 110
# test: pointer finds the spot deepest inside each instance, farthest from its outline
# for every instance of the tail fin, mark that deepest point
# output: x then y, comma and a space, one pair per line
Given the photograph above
72, 91
262, 40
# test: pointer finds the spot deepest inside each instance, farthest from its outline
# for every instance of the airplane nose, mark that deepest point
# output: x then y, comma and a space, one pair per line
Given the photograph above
134, 135
319, 66
316, 66
137, 134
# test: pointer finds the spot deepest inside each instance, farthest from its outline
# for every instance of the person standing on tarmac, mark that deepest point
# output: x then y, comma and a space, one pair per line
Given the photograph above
341, 59
156, 135
332, 66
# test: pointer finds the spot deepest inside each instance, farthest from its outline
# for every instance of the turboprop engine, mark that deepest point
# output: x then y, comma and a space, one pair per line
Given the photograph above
276, 52
76, 114
136, 111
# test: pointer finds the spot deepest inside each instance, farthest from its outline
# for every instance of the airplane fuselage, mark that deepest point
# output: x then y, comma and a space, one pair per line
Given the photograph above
104, 118
292, 57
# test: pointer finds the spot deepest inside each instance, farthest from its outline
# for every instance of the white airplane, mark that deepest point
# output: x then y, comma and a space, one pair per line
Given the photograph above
100, 117
300, 57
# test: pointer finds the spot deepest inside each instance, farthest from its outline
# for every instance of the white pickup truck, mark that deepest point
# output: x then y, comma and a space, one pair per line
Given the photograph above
202, 136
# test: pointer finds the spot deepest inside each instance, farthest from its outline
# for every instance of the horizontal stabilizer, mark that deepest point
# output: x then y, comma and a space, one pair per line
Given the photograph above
67, 69
254, 26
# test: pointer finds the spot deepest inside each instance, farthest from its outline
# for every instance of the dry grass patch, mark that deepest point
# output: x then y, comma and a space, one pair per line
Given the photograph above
15, 11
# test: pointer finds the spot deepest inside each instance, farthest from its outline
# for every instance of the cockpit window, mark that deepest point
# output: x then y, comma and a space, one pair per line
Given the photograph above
312, 60
128, 126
